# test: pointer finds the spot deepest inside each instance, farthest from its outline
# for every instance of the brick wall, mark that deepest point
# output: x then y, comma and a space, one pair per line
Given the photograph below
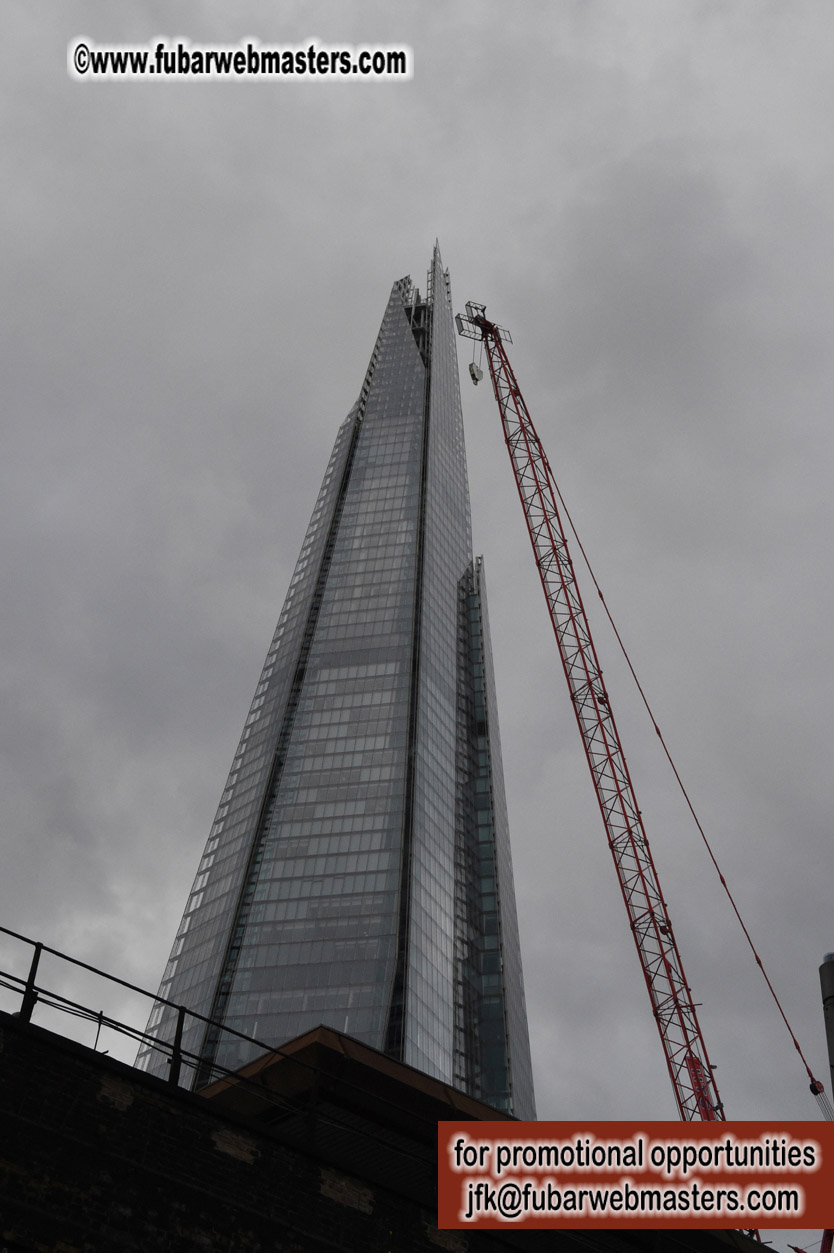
95, 1156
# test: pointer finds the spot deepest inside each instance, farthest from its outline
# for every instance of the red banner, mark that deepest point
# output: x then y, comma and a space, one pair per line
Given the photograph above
655, 1174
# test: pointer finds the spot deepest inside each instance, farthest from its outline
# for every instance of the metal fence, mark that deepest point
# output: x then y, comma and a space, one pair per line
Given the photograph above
102, 1020
27, 996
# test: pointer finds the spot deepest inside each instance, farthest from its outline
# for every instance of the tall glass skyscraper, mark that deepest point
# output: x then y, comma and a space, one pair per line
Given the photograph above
358, 872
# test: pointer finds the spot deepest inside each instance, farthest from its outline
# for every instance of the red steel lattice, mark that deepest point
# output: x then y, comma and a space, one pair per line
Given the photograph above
671, 999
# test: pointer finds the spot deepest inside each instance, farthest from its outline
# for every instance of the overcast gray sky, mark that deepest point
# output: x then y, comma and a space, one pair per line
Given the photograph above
194, 276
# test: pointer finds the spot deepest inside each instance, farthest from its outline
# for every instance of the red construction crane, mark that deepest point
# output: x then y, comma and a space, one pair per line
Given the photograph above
674, 1010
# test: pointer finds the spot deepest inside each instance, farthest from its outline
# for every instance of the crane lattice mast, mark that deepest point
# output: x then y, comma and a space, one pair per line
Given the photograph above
671, 999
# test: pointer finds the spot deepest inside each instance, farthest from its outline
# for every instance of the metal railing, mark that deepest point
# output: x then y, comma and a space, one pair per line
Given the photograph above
33, 994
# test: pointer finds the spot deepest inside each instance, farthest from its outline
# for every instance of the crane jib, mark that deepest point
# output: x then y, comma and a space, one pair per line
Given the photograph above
674, 1011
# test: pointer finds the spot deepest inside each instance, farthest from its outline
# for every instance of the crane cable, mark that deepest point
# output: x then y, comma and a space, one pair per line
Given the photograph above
816, 1087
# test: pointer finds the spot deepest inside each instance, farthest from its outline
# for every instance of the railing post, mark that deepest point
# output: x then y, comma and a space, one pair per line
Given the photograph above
176, 1052
30, 993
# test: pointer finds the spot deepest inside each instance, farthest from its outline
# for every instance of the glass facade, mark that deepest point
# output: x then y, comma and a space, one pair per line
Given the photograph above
357, 873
